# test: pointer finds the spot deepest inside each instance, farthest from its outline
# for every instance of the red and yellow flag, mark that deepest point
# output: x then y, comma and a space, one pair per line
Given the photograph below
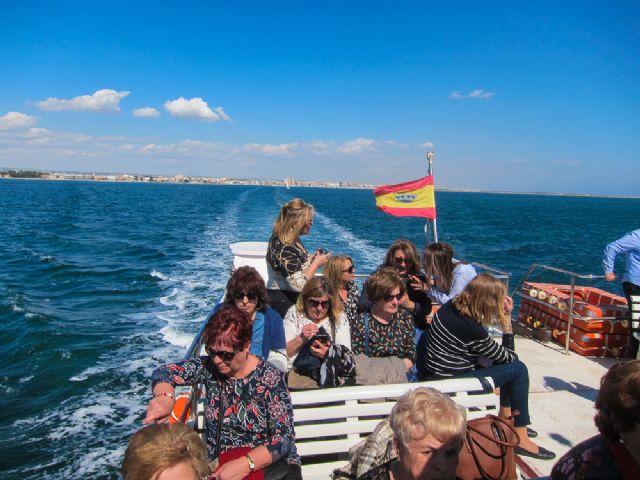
409, 199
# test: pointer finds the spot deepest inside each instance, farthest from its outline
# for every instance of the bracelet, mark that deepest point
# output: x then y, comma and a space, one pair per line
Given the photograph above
252, 465
165, 394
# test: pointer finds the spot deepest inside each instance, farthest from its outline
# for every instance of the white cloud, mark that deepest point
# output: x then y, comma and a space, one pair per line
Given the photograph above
270, 149
426, 145
105, 100
146, 112
16, 120
356, 146
478, 93
195, 108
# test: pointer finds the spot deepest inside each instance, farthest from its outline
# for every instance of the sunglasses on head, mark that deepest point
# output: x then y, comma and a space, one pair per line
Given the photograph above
349, 270
222, 355
251, 296
398, 297
318, 303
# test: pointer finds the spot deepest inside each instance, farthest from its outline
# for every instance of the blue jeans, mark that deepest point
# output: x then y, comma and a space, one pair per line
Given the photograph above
513, 380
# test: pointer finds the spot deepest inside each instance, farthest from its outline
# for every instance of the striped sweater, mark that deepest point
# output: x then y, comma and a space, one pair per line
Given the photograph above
454, 344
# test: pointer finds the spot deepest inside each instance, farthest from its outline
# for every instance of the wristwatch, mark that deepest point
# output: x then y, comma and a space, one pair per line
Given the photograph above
252, 466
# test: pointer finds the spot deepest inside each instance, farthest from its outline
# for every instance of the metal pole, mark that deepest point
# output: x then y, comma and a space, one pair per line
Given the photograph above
571, 304
430, 156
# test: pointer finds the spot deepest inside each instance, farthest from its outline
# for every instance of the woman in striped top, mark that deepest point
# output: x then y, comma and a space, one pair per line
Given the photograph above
457, 340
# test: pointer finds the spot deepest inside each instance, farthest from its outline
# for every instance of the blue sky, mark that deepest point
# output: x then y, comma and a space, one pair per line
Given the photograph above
535, 96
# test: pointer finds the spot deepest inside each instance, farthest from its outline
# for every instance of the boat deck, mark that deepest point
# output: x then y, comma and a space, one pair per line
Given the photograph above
563, 390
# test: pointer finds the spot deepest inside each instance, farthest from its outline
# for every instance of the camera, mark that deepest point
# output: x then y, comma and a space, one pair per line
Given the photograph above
323, 251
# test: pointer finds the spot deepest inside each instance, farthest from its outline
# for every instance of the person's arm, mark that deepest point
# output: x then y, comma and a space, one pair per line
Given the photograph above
407, 330
239, 468
629, 242
163, 382
296, 336
281, 433
462, 275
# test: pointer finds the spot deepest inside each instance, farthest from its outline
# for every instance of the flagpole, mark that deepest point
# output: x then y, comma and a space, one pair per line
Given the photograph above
430, 156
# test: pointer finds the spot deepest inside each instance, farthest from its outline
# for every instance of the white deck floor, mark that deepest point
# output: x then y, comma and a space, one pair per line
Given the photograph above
562, 390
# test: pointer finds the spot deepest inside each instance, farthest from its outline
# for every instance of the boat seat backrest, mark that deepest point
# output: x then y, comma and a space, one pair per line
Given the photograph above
330, 421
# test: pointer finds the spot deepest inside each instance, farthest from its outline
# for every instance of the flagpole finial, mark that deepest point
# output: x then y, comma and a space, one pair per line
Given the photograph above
430, 156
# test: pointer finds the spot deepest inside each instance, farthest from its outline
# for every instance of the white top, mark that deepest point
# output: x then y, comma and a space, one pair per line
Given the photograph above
294, 321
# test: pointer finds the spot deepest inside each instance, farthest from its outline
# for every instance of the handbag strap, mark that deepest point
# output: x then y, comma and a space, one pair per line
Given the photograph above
366, 334
220, 418
503, 424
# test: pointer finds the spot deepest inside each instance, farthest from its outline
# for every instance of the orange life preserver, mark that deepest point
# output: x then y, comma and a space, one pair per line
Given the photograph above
179, 406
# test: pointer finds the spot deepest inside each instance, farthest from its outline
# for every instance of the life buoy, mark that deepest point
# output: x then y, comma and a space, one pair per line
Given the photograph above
179, 406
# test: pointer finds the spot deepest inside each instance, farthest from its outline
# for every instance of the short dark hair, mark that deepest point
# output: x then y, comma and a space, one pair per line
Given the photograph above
382, 282
244, 280
229, 325
618, 402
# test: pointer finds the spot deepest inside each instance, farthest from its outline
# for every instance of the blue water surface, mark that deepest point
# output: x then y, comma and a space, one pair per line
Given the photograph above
102, 282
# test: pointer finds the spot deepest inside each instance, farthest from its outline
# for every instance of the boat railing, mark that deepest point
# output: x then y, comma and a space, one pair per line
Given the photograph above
496, 272
192, 352
570, 309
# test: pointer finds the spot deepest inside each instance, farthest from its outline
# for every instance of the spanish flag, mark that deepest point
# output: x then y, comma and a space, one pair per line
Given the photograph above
409, 199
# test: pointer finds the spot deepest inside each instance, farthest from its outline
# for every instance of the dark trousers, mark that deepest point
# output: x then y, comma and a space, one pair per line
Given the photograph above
632, 292
513, 380
281, 300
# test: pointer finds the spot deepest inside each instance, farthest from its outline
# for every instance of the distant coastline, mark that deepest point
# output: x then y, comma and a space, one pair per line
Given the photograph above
287, 182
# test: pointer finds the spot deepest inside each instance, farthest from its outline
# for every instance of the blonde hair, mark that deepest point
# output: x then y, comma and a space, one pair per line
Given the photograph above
427, 411
155, 448
318, 287
292, 219
333, 270
483, 300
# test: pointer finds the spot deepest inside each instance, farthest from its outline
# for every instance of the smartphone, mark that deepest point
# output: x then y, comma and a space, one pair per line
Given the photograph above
321, 337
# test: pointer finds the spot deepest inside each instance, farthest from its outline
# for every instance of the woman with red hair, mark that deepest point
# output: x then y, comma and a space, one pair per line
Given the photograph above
247, 402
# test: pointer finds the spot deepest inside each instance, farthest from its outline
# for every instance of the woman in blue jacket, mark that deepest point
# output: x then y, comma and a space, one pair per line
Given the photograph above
246, 290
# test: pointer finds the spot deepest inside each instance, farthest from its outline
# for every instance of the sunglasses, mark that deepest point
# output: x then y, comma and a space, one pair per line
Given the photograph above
318, 303
351, 269
251, 296
398, 297
401, 260
226, 357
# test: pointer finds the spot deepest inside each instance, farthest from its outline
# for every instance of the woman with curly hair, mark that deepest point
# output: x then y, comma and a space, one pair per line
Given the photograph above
246, 290
613, 454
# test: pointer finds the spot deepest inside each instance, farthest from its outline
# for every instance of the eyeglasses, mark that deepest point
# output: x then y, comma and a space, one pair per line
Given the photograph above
398, 297
318, 303
401, 260
251, 296
351, 269
226, 357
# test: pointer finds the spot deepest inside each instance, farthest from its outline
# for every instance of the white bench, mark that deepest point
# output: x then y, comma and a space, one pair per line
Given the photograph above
329, 422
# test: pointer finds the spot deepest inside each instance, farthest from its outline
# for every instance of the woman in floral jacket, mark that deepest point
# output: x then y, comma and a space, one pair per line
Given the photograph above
248, 395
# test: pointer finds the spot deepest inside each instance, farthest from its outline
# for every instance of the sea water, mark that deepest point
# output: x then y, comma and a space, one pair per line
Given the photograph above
102, 282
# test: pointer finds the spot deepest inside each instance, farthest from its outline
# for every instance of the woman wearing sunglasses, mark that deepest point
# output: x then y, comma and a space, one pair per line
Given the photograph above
318, 322
340, 273
402, 257
246, 290
385, 329
249, 394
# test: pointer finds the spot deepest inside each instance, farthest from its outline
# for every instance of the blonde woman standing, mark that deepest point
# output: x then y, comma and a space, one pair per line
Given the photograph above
292, 266
340, 273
